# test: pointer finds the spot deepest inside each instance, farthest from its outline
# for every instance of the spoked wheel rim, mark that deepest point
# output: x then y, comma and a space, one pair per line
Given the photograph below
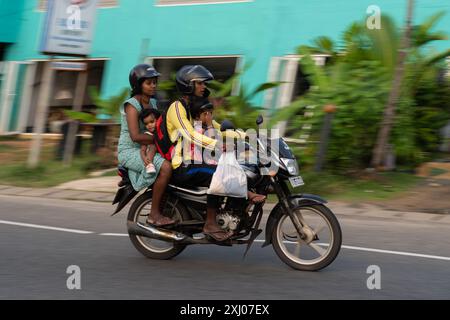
317, 245
155, 245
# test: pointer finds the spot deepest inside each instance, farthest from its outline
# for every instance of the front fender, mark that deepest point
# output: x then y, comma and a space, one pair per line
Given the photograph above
276, 213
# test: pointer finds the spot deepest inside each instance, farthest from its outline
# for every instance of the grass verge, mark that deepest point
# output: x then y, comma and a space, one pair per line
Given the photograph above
50, 172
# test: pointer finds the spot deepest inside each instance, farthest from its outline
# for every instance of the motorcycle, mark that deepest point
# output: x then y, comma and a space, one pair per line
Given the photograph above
303, 231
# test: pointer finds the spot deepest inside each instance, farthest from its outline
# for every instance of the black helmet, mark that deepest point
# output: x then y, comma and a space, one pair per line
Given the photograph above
188, 74
198, 105
139, 73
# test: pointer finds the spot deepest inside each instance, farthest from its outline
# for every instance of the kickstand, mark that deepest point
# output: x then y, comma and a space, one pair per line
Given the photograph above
254, 234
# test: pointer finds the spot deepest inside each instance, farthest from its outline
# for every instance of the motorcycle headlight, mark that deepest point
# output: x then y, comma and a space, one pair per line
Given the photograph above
291, 166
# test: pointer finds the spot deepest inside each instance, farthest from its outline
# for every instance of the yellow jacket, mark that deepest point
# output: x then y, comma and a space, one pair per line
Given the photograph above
180, 127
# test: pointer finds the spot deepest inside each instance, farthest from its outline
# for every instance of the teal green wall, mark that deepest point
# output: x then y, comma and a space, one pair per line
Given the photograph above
256, 30
10, 19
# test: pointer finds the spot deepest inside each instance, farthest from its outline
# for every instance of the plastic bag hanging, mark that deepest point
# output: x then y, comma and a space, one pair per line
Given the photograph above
229, 179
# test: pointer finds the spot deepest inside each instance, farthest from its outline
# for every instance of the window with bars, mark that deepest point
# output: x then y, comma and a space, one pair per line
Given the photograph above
101, 4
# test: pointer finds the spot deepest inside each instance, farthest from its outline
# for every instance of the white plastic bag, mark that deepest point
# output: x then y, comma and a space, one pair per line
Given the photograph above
229, 179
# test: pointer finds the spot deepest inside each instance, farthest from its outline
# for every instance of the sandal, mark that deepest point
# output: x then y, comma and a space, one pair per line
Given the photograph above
219, 235
157, 223
257, 198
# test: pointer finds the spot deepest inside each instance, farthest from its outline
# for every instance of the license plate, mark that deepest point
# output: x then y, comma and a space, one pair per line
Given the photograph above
296, 181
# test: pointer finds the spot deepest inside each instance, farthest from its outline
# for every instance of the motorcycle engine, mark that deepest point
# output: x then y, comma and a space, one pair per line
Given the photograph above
228, 221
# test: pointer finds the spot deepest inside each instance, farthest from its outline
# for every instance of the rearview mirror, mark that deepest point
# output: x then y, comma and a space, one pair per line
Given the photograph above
259, 120
227, 125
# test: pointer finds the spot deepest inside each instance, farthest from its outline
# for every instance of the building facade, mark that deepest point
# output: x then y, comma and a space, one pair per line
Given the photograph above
224, 35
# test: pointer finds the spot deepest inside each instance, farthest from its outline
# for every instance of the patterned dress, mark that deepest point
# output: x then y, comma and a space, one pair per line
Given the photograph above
129, 152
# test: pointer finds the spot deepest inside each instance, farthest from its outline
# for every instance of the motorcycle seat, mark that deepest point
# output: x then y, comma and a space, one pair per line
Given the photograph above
123, 172
192, 190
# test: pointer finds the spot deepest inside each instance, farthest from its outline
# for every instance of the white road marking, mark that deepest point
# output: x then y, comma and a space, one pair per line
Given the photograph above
401, 253
37, 226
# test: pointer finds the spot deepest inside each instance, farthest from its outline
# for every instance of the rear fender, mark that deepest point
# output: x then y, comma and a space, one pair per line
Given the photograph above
123, 196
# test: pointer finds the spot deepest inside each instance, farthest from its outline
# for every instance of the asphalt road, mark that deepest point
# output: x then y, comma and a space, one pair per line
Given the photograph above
34, 260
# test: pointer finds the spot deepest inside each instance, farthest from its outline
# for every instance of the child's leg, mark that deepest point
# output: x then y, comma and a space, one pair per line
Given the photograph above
151, 151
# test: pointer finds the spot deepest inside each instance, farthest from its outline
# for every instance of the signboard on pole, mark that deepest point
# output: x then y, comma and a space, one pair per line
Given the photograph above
69, 27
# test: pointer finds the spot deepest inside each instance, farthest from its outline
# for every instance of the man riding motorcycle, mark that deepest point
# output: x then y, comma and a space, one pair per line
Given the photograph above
303, 231
191, 82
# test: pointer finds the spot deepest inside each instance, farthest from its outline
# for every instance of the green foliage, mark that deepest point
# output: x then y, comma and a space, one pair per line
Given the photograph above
237, 108
430, 110
320, 45
50, 172
361, 187
106, 109
81, 116
360, 96
168, 88
357, 80
6, 148
423, 34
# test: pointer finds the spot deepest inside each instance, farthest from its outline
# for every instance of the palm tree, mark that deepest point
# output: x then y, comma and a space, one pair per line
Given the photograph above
238, 108
389, 112
359, 47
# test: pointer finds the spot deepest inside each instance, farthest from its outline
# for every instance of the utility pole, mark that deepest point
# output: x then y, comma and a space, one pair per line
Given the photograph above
73, 126
41, 114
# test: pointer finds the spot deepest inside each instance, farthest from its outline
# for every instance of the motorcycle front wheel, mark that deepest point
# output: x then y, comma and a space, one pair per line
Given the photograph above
319, 247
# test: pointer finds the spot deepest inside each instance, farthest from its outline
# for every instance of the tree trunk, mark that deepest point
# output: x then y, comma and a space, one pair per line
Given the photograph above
379, 150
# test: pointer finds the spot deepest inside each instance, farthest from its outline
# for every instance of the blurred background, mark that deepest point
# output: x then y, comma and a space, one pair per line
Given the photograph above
361, 94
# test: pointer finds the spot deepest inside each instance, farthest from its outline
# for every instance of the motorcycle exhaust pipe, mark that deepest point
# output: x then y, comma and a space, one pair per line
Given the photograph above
155, 233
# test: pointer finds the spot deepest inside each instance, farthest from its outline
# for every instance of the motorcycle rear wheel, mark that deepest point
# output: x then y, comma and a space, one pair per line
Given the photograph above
152, 248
